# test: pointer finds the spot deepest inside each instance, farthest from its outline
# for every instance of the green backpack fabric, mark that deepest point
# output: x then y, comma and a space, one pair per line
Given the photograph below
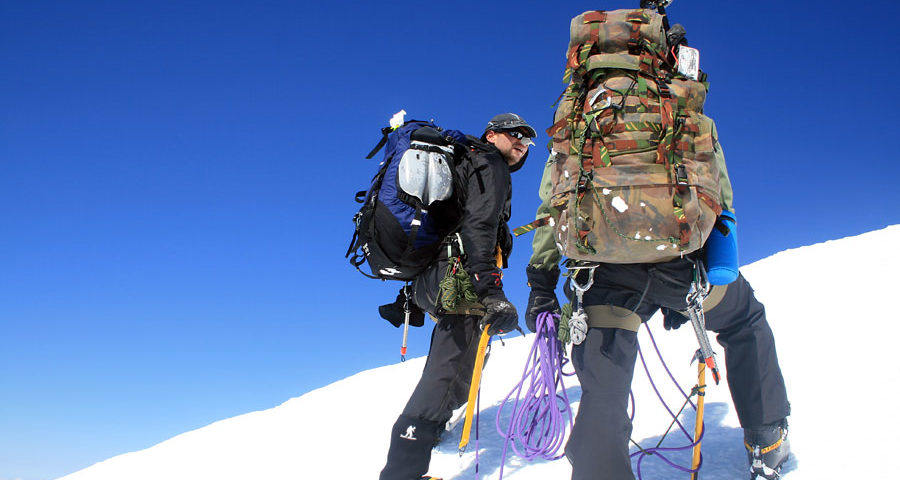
634, 170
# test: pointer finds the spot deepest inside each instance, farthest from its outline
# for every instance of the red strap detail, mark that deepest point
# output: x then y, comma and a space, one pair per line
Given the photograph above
595, 17
668, 120
587, 162
557, 126
637, 19
572, 57
710, 202
685, 232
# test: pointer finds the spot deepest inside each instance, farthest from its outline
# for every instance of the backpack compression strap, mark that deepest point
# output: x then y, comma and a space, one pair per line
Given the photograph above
385, 132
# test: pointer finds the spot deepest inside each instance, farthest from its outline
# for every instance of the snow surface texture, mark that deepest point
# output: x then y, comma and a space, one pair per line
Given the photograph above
835, 332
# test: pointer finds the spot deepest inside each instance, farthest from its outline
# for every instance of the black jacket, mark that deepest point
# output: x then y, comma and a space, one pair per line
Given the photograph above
485, 177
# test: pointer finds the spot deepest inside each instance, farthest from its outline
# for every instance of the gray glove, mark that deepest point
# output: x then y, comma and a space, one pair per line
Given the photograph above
500, 317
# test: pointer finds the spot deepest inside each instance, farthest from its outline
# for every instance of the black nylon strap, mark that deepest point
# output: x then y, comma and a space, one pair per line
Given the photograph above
414, 230
384, 136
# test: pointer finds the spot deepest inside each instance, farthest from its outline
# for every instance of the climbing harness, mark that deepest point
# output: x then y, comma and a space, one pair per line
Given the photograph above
541, 417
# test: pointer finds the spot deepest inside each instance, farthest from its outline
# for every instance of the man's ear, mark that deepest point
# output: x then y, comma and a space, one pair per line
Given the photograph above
490, 135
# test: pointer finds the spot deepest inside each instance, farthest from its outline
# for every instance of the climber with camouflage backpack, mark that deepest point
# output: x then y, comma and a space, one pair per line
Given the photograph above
460, 286
636, 195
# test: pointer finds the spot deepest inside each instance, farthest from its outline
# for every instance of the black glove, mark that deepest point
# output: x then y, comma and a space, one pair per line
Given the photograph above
543, 294
672, 319
394, 312
500, 315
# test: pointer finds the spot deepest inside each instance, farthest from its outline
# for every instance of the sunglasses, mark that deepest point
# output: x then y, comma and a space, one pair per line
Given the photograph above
520, 136
516, 134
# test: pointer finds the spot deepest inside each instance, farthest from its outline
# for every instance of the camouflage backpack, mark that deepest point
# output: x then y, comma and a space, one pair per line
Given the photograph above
634, 174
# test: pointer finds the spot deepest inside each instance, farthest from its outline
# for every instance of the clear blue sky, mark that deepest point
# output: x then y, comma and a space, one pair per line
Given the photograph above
177, 182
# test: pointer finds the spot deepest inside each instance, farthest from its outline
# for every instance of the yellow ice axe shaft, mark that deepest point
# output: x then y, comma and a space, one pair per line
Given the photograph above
698, 422
473, 388
476, 373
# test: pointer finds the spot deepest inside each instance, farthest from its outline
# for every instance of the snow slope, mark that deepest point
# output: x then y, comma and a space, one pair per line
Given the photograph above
835, 330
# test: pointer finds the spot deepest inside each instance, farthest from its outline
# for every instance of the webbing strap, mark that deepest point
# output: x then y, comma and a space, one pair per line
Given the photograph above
637, 18
413, 231
384, 137
763, 451
595, 17
612, 316
557, 126
580, 132
540, 222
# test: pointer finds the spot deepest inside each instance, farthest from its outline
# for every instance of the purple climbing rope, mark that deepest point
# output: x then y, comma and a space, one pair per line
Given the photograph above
659, 451
538, 419
538, 422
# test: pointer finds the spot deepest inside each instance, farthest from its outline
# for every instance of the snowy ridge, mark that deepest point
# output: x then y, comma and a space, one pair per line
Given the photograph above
834, 327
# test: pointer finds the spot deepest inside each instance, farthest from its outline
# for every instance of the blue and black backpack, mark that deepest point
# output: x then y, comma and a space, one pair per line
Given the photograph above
413, 203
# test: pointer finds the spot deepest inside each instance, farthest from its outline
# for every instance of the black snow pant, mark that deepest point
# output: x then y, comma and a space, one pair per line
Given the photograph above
604, 362
443, 387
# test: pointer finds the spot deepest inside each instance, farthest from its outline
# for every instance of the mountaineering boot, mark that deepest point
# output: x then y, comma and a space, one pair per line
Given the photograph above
410, 452
767, 449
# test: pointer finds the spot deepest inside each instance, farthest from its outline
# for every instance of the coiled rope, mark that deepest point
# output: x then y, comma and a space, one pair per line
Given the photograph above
541, 417
538, 423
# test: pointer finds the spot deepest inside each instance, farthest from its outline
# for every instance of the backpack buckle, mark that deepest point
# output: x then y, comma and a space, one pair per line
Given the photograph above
583, 181
681, 178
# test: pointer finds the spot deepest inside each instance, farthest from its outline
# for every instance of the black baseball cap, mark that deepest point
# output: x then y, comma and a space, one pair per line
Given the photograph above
509, 121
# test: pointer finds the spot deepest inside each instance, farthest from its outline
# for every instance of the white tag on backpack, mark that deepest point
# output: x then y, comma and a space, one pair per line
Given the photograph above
397, 120
689, 62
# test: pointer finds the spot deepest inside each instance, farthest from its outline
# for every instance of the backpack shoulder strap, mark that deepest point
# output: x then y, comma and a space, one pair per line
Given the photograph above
477, 145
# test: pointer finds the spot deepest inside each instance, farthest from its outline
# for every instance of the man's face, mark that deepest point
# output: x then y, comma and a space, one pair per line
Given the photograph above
511, 147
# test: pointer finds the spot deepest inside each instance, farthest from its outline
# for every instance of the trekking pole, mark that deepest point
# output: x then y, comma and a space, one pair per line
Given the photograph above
474, 387
698, 421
